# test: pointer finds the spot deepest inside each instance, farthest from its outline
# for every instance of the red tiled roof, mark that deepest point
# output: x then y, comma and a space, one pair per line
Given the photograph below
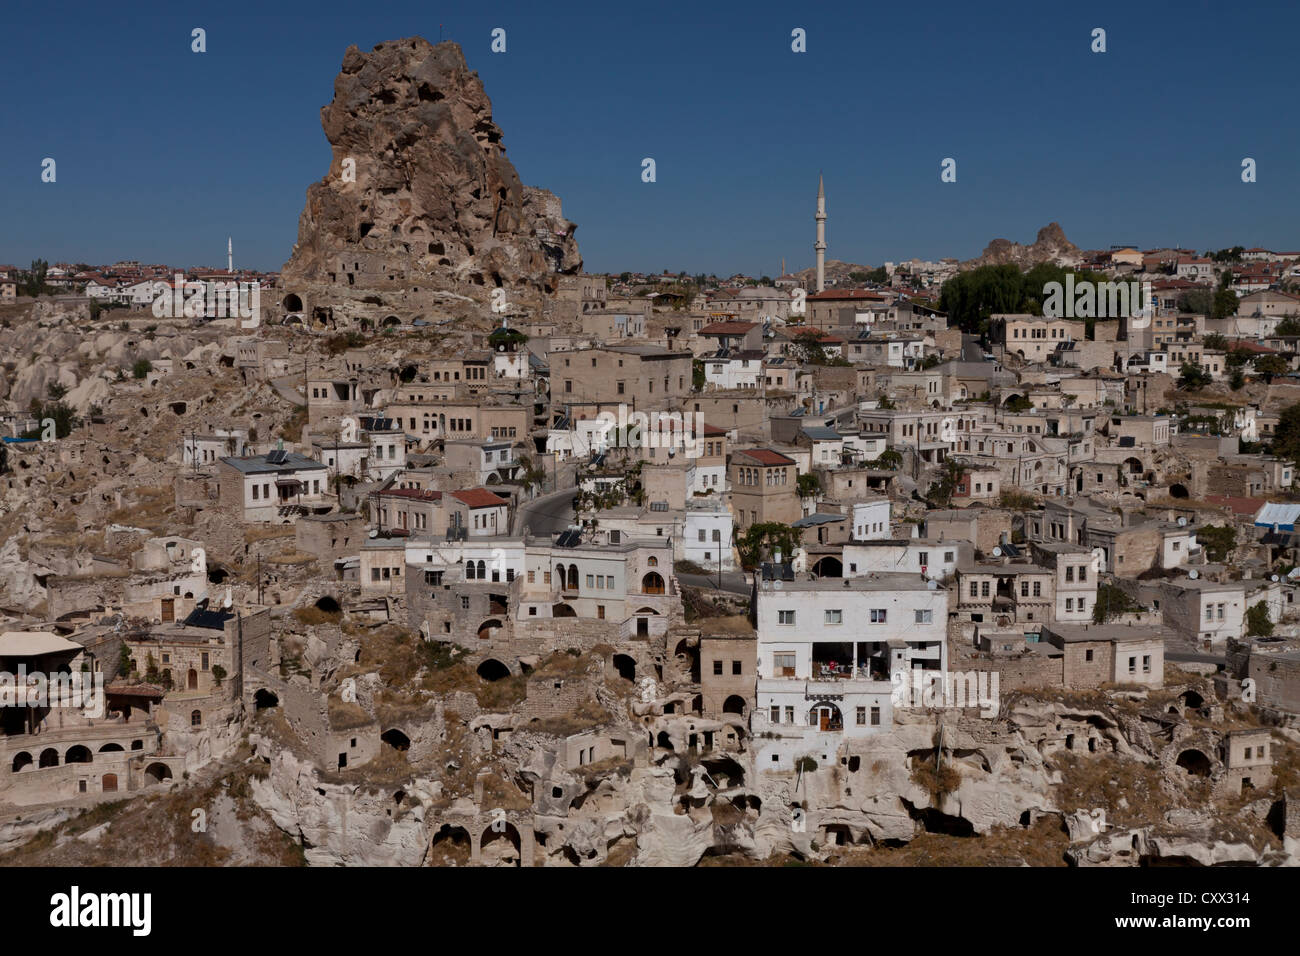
765, 456
414, 493
1238, 505
728, 328
479, 498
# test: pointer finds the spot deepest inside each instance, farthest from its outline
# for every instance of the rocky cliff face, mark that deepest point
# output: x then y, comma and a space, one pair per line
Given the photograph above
421, 208
1049, 246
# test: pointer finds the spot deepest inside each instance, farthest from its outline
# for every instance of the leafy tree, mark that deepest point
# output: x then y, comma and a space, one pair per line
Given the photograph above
1216, 342
1017, 403
1270, 365
123, 660
1257, 621
1286, 437
763, 540
1218, 540
889, 459
64, 416
1191, 377
941, 491
1288, 326
808, 484
141, 368
1237, 379
1112, 602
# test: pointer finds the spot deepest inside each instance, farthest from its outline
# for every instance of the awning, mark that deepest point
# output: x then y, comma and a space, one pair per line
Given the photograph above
1277, 515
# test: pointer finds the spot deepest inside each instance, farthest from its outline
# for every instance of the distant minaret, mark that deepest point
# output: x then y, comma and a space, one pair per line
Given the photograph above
820, 244
230, 255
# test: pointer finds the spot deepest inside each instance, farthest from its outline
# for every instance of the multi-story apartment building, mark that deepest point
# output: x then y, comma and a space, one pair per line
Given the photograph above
763, 487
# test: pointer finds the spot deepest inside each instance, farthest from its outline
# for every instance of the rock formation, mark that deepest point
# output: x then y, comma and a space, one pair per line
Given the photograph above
421, 210
1049, 246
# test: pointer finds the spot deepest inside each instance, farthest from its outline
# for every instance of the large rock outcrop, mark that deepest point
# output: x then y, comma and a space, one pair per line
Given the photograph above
436, 217
1049, 246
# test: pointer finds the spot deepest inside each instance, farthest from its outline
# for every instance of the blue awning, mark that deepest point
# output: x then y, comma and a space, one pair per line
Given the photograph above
1279, 515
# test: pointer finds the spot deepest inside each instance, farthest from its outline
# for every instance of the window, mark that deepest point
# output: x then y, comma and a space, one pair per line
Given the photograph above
205, 659
1069, 604
1069, 573
923, 558
875, 716
776, 714
1038, 589
974, 589
735, 668
196, 718
1132, 665
947, 557
783, 664
984, 589
1146, 663
862, 716
835, 617
464, 602
785, 617
1087, 656
878, 615
717, 668
924, 617
789, 715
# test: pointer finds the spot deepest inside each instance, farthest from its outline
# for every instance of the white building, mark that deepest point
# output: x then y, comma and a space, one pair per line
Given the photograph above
707, 534
871, 519
934, 559
827, 649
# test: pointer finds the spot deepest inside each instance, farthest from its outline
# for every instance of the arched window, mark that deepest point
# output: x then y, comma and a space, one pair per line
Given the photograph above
196, 718
653, 561
482, 571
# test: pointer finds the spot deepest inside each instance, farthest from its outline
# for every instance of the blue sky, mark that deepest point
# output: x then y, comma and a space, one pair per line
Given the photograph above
162, 152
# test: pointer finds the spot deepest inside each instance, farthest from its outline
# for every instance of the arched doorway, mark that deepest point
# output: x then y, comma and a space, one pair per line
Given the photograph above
450, 846
77, 754
625, 666
1194, 762
563, 610
492, 670
109, 783
829, 567
501, 845
292, 303
49, 758
264, 699
22, 760
825, 716
488, 629
735, 704
1178, 491
652, 583
192, 679
396, 739
157, 773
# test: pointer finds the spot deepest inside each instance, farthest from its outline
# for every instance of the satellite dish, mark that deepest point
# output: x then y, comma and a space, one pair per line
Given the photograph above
776, 585
1193, 574
374, 533
932, 584
1182, 522
997, 552
1274, 578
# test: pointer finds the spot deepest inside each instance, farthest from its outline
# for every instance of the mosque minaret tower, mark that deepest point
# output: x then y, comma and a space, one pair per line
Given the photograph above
820, 244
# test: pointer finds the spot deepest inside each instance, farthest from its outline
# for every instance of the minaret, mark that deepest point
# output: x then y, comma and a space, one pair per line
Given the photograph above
230, 255
820, 244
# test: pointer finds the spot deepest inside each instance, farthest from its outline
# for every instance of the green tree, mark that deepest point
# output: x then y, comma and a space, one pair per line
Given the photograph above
942, 489
1257, 621
141, 368
808, 484
1017, 403
1286, 437
1288, 326
1112, 602
1218, 540
763, 540
889, 459
1269, 366
1191, 377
